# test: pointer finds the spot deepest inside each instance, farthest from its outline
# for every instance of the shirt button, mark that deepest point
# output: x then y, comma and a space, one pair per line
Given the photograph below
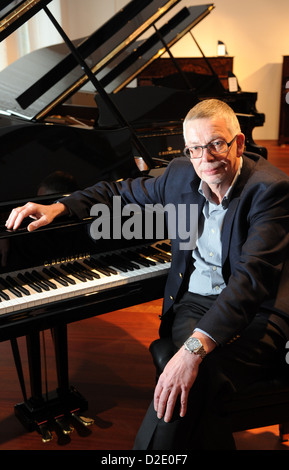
211, 254
214, 268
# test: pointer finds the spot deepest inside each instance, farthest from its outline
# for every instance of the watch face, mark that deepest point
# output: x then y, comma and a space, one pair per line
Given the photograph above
194, 344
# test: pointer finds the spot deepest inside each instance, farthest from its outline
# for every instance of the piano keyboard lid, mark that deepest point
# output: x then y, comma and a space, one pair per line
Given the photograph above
34, 85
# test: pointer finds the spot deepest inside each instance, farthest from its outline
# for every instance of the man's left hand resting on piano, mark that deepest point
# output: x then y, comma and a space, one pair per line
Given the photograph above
42, 215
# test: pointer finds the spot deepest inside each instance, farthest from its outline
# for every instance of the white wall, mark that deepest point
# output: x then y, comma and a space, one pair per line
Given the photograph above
255, 32
257, 36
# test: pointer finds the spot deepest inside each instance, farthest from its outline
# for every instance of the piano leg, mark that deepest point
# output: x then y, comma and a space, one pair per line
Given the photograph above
18, 365
59, 336
41, 411
34, 361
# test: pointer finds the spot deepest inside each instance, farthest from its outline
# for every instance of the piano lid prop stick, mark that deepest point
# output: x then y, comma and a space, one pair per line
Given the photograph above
122, 121
183, 75
206, 60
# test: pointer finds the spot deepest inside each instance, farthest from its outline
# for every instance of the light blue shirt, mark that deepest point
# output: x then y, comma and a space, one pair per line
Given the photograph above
207, 279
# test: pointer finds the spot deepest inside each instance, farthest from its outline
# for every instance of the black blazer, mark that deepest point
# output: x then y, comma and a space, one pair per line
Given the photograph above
255, 239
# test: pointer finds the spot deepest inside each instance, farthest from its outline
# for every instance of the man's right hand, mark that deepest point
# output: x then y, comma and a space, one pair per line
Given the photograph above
42, 215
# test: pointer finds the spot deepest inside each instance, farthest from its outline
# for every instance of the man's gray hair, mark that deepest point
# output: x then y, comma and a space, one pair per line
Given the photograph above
211, 108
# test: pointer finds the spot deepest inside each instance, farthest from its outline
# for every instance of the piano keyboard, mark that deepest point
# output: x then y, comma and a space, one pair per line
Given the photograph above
35, 287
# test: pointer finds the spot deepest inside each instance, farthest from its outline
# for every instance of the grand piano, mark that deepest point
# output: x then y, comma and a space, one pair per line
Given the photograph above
63, 126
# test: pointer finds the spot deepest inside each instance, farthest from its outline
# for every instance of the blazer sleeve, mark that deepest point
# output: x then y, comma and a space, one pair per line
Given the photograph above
141, 191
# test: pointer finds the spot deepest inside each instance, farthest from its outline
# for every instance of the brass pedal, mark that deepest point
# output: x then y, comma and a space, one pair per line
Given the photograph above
45, 433
83, 419
65, 427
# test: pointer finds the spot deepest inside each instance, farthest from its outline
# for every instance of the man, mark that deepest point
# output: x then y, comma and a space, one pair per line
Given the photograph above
225, 303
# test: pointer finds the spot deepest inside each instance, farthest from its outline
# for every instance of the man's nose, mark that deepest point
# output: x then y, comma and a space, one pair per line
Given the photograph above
206, 156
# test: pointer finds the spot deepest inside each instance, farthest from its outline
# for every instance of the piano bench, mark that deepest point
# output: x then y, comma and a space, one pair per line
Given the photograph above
262, 404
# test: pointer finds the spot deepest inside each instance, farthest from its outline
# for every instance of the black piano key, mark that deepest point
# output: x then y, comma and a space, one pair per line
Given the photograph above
162, 254
164, 246
4, 295
5, 285
139, 259
26, 280
76, 272
101, 267
145, 252
127, 262
111, 260
86, 271
68, 269
92, 265
34, 279
57, 272
103, 261
42, 279
56, 277
155, 254
82, 272
16, 283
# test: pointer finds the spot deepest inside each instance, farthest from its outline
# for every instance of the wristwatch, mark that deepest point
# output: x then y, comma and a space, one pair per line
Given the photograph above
194, 346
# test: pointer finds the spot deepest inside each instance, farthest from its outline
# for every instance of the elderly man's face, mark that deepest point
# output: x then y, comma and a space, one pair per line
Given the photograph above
217, 171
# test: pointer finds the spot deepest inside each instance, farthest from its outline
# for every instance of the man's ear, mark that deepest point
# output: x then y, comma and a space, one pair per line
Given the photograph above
240, 144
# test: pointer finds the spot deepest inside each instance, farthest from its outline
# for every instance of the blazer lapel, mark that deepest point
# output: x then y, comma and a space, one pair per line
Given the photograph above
227, 227
190, 196
233, 205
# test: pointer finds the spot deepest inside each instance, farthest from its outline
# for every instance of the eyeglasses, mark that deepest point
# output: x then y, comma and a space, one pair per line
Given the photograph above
215, 148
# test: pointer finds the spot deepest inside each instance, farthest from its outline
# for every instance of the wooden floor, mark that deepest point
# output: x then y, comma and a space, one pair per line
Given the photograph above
111, 366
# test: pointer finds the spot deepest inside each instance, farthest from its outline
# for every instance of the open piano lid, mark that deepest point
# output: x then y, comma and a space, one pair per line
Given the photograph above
14, 13
35, 84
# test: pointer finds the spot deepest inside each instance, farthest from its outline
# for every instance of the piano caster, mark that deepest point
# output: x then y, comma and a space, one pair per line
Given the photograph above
83, 419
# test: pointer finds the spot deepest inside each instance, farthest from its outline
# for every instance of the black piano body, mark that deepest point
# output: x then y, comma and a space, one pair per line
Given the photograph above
53, 143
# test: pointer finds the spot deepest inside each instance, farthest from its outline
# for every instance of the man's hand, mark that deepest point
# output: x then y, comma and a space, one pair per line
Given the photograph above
177, 379
42, 215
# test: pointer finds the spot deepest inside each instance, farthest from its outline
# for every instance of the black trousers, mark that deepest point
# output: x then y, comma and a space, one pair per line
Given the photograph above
255, 355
